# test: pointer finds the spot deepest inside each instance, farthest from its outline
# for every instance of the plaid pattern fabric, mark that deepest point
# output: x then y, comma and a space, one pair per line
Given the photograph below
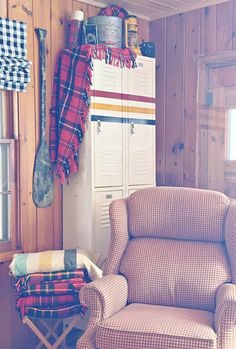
190, 267
157, 327
37, 278
55, 312
14, 67
114, 10
13, 38
70, 101
207, 209
53, 288
46, 301
183, 283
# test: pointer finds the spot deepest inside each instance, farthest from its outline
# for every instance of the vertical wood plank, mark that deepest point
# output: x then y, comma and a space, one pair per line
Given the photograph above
158, 36
41, 17
174, 101
143, 30
81, 6
93, 10
23, 10
5, 307
3, 8
234, 25
224, 18
208, 30
60, 12
216, 140
192, 50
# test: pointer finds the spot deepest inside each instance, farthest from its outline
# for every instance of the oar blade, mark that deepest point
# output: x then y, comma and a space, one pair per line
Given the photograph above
43, 178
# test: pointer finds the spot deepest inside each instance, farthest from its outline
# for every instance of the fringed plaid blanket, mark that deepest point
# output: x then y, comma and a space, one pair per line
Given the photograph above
70, 102
49, 302
56, 276
58, 312
53, 288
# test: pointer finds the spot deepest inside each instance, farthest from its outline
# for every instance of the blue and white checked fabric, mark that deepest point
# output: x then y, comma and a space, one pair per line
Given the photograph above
14, 66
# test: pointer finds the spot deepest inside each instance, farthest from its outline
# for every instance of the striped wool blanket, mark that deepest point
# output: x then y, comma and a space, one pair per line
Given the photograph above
46, 302
49, 261
58, 312
52, 288
54, 276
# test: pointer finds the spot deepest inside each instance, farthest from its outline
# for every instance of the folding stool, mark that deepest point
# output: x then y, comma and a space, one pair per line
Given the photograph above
51, 330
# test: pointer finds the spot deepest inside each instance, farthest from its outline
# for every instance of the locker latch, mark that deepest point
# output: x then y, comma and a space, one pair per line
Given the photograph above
99, 127
132, 128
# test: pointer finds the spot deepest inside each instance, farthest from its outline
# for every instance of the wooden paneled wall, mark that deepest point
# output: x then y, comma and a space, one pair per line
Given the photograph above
41, 229
180, 41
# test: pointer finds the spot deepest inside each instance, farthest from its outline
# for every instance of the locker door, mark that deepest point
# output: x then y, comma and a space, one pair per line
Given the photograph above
106, 77
108, 154
101, 235
140, 81
141, 154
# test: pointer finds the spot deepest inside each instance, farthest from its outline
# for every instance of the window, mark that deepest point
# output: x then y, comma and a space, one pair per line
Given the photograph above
8, 199
231, 135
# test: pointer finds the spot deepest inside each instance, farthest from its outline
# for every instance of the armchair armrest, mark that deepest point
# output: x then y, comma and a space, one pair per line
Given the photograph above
225, 314
103, 297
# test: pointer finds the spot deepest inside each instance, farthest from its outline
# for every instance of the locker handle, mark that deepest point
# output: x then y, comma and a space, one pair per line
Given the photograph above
132, 128
99, 127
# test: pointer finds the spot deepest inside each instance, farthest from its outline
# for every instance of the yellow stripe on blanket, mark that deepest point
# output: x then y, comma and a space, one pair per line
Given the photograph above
45, 261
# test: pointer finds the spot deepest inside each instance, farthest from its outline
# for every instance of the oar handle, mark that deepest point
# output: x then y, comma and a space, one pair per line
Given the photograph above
41, 35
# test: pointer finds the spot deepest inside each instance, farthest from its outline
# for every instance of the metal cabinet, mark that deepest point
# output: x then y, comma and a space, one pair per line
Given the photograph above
117, 156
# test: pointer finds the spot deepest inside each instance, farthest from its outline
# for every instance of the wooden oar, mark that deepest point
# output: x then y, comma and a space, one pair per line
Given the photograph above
43, 173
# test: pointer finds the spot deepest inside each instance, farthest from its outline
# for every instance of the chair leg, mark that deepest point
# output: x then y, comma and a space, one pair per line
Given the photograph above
51, 332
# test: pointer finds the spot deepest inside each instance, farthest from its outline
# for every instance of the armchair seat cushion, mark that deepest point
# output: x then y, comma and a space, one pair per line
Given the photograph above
157, 327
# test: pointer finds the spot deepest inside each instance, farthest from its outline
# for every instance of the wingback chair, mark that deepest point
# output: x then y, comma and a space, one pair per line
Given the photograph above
170, 277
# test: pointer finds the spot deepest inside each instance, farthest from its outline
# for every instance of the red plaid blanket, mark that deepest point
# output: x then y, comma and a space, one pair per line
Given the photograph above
46, 301
52, 288
37, 278
70, 102
56, 312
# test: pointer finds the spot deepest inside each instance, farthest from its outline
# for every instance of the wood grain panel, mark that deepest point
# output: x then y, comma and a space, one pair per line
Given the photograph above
60, 12
216, 140
234, 25
143, 30
222, 77
224, 23
80, 6
23, 10
208, 30
5, 306
174, 101
42, 14
192, 50
3, 8
158, 35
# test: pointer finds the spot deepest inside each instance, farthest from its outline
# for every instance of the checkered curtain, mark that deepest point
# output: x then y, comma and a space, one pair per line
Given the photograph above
14, 66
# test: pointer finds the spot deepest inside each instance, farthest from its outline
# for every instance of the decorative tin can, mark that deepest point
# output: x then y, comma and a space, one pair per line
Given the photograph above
109, 30
131, 33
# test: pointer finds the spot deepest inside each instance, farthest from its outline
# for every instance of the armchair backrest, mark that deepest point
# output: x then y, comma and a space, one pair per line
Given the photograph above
175, 251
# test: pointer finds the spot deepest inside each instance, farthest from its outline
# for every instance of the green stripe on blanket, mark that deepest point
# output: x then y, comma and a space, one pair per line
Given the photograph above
49, 261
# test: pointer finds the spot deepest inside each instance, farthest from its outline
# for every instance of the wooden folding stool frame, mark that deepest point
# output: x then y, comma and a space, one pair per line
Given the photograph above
51, 331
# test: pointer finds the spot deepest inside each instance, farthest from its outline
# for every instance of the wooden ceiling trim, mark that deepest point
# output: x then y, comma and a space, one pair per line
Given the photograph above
156, 9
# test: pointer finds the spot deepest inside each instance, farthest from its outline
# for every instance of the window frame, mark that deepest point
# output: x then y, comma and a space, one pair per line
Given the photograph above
10, 137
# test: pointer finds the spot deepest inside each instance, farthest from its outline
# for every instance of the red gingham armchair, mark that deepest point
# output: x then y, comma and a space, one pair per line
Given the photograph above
170, 276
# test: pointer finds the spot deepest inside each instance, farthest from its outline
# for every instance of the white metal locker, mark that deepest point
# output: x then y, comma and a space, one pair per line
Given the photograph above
141, 154
108, 154
101, 232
